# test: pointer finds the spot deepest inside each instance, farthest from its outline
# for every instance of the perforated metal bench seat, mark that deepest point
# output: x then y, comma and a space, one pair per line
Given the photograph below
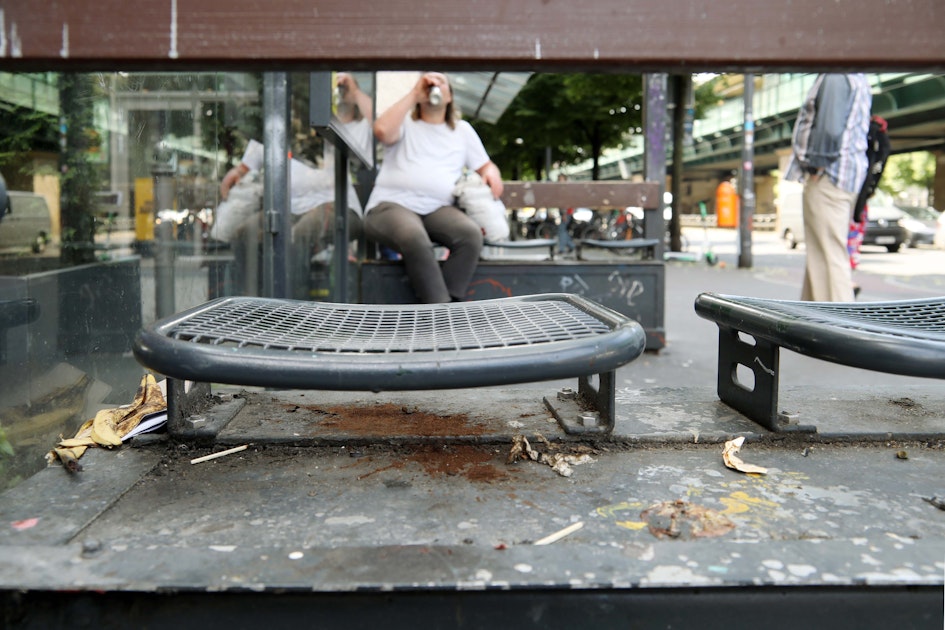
646, 247
904, 337
529, 244
315, 345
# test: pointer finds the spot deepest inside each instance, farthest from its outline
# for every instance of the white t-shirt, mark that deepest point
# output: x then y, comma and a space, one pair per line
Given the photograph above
309, 187
420, 170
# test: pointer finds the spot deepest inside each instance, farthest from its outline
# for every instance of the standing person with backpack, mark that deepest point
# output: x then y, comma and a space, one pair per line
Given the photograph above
829, 146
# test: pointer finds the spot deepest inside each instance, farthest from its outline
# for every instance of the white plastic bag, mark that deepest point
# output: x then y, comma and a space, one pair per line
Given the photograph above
243, 200
475, 197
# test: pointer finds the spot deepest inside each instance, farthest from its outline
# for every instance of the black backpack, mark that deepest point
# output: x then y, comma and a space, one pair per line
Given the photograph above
877, 152
4, 199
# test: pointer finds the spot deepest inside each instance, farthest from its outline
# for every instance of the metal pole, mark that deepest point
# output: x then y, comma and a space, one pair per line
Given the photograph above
683, 85
164, 252
340, 262
654, 152
277, 226
746, 182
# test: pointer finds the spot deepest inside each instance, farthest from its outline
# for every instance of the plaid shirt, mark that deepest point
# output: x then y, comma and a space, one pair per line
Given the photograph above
848, 171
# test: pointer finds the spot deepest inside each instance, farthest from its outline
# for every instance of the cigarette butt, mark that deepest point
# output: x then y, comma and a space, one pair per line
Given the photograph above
570, 529
230, 451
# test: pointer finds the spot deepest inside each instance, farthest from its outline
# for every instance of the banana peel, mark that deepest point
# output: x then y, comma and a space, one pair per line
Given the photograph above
104, 428
70, 457
109, 426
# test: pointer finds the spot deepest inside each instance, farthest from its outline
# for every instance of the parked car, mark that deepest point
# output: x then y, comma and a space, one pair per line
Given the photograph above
884, 227
28, 224
920, 225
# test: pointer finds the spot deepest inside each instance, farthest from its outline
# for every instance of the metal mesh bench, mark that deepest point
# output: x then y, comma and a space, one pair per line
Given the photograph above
513, 247
643, 247
905, 337
353, 347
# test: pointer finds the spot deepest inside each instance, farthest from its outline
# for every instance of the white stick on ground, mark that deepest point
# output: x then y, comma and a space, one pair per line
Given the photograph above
207, 458
570, 529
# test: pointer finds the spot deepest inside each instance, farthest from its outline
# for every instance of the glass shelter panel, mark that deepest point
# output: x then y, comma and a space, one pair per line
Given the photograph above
133, 196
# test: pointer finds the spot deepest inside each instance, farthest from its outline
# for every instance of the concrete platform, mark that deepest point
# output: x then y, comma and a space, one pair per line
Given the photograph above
330, 498
401, 509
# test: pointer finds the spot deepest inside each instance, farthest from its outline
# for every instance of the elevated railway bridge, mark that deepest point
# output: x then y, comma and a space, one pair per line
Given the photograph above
912, 103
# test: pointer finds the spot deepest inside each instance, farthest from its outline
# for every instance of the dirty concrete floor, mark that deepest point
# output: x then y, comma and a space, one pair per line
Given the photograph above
467, 494
653, 511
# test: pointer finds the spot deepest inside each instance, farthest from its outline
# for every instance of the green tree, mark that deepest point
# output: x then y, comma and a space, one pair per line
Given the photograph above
908, 170
576, 115
706, 94
23, 130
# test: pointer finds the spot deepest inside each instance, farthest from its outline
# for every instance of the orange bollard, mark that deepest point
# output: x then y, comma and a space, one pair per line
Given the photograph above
726, 204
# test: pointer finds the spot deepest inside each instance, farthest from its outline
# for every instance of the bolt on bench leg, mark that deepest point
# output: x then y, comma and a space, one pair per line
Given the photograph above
590, 410
759, 401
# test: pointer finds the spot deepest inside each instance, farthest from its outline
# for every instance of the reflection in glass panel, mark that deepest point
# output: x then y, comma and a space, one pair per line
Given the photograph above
353, 111
121, 212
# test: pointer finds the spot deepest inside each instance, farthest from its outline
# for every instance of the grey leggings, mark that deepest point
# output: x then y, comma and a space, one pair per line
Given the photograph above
413, 235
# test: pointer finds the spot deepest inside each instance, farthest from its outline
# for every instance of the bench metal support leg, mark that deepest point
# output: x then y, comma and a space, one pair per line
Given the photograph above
184, 400
590, 410
758, 401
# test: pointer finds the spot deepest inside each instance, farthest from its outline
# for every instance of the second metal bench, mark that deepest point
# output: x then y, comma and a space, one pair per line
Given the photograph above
905, 337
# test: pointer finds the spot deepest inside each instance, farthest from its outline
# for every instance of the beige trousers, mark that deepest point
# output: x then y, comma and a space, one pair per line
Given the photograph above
827, 212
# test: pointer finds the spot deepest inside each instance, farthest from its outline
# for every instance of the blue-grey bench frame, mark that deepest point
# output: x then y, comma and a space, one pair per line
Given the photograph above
905, 337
